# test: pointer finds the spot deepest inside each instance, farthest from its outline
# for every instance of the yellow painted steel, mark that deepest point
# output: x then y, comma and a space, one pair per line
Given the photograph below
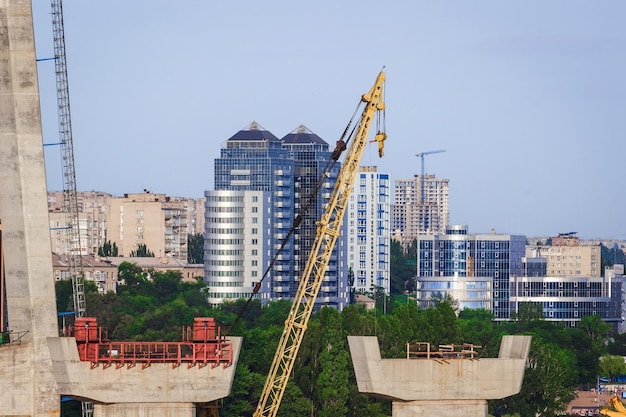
616, 403
328, 230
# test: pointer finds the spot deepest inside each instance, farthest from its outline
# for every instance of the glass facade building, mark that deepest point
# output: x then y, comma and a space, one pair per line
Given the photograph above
314, 174
472, 268
569, 299
255, 160
285, 171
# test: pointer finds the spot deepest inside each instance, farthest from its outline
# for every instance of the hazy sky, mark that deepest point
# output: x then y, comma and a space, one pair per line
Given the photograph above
527, 98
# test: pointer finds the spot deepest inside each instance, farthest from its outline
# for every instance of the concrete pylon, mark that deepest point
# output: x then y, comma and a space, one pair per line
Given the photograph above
439, 387
38, 367
31, 306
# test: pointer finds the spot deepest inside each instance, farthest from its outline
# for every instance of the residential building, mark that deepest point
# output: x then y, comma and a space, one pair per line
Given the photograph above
195, 216
567, 299
155, 220
368, 230
237, 248
315, 175
188, 272
255, 160
474, 269
92, 211
285, 171
567, 256
414, 213
101, 272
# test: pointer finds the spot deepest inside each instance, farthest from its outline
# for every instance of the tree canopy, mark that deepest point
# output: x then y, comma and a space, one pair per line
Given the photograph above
152, 305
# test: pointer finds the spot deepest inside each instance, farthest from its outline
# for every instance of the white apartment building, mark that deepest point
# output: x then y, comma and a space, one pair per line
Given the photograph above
421, 207
237, 248
368, 230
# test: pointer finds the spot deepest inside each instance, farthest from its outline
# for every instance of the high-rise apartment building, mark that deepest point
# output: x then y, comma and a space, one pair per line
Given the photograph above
315, 177
472, 268
414, 212
255, 160
237, 242
286, 170
368, 230
155, 220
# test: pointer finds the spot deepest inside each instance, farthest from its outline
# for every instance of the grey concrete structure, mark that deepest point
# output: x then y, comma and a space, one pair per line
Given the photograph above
31, 307
39, 367
438, 387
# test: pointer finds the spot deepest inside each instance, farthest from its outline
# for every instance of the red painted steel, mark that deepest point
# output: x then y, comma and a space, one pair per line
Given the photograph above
202, 345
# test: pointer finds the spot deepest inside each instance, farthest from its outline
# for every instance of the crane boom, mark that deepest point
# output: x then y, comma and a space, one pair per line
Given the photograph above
421, 156
328, 230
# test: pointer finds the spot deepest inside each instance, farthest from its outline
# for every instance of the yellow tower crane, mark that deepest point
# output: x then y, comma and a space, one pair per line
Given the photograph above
328, 230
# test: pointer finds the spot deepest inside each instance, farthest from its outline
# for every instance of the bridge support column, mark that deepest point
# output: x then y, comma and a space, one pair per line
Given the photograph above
443, 386
145, 410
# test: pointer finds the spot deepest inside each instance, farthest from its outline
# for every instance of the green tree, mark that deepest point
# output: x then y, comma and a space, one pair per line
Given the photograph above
401, 268
332, 382
477, 327
108, 249
195, 248
548, 386
612, 366
590, 343
142, 251
617, 344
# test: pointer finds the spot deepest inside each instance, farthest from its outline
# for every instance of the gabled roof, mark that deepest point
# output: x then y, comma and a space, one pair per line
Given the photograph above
302, 135
254, 131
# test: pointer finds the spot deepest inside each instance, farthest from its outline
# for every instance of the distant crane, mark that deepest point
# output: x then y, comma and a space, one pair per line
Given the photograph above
421, 156
70, 198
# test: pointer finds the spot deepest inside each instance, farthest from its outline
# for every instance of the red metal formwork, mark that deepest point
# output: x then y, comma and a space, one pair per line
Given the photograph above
201, 346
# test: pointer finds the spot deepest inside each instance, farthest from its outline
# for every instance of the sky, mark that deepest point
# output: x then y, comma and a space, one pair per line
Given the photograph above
527, 98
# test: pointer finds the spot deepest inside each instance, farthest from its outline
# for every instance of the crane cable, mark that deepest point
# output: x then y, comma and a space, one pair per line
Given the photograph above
341, 146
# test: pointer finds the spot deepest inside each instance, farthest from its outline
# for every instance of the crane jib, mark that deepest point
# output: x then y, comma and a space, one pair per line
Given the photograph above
326, 237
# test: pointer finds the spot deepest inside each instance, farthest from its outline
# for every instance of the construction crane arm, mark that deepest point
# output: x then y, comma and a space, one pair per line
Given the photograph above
328, 230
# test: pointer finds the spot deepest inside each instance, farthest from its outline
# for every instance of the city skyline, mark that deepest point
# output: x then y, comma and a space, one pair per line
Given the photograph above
525, 97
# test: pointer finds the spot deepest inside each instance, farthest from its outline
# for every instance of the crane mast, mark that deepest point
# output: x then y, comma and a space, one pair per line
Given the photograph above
70, 198
328, 230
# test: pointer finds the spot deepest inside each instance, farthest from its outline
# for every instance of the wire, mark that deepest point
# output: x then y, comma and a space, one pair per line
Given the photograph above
340, 146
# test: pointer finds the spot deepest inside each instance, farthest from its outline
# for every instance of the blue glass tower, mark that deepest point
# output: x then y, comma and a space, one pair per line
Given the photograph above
311, 154
255, 160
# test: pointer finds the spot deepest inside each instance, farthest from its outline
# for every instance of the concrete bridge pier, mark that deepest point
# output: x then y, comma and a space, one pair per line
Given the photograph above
439, 387
145, 410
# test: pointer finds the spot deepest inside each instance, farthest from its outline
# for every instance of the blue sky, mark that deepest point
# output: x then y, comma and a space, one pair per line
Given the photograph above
526, 97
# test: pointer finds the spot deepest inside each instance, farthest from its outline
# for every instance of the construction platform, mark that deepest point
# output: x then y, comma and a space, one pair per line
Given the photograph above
447, 382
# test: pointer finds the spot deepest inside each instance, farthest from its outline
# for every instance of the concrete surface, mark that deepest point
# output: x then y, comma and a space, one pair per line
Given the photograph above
420, 387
